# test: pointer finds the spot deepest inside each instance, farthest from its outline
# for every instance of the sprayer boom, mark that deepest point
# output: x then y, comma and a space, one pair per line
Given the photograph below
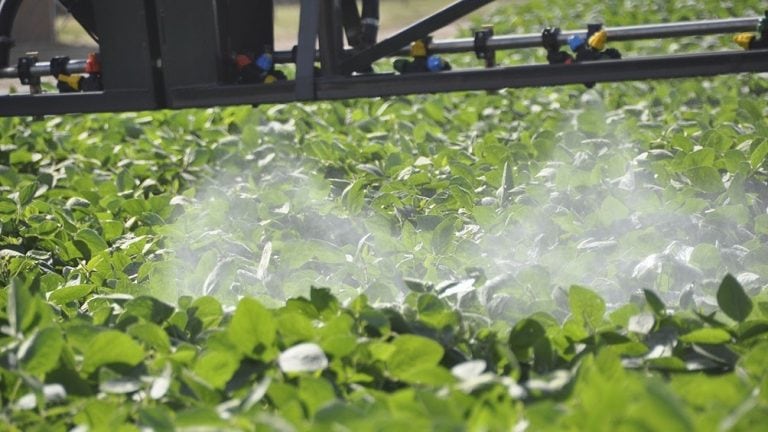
162, 54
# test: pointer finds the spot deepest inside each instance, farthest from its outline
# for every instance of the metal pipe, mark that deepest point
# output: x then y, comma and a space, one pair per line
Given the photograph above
544, 75
531, 40
44, 69
383, 85
309, 25
615, 34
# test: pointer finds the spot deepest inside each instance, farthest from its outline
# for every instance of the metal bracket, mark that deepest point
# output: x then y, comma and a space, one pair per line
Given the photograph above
59, 66
416, 31
309, 22
26, 77
592, 29
760, 41
482, 50
331, 37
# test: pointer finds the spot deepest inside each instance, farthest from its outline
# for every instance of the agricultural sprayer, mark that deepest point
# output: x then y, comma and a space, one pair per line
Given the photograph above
159, 54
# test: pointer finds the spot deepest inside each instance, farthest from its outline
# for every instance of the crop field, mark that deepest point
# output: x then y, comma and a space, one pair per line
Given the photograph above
524, 260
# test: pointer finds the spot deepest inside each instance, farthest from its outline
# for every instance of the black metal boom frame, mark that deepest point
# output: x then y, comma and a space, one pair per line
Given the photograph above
158, 54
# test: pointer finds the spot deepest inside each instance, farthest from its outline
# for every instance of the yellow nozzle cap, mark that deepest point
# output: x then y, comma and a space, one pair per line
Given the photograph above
744, 39
71, 80
597, 40
269, 79
418, 49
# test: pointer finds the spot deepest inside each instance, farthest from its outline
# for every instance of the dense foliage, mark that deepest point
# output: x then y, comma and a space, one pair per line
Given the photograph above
434, 250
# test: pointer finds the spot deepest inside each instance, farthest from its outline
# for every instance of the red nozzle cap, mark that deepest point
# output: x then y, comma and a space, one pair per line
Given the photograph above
93, 65
242, 61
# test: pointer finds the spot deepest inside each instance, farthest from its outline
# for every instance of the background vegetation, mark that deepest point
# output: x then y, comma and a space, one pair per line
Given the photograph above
427, 247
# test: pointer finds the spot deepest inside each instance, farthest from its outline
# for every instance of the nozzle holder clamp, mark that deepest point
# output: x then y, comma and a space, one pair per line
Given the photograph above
550, 40
59, 66
24, 68
482, 50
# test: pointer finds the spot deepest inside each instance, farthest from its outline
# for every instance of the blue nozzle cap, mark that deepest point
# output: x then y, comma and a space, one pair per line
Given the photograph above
435, 63
575, 42
264, 62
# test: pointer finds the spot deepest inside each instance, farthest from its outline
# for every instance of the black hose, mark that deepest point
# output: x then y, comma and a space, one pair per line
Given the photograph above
8, 10
370, 21
371, 9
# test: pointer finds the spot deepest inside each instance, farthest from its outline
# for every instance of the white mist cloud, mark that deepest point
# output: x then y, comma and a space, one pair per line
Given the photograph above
601, 213
273, 230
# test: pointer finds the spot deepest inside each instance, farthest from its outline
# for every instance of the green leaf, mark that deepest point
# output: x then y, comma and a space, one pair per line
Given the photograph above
70, 293
125, 181
413, 352
417, 285
707, 336
706, 179
8, 206
27, 193
151, 335
204, 313
217, 367
663, 410
337, 337
102, 414
149, 308
157, 418
732, 299
753, 360
316, 393
295, 327
252, 327
701, 157
200, 418
507, 184
323, 300
421, 374
758, 156
622, 316
93, 240
353, 196
39, 354
682, 142
586, 306
443, 234
112, 229
525, 334
435, 313
706, 256
761, 224
135, 207
752, 328
656, 304
612, 210
111, 347
339, 345
22, 306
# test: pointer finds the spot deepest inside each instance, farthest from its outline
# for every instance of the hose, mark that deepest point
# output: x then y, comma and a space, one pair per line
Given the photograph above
8, 10
370, 21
